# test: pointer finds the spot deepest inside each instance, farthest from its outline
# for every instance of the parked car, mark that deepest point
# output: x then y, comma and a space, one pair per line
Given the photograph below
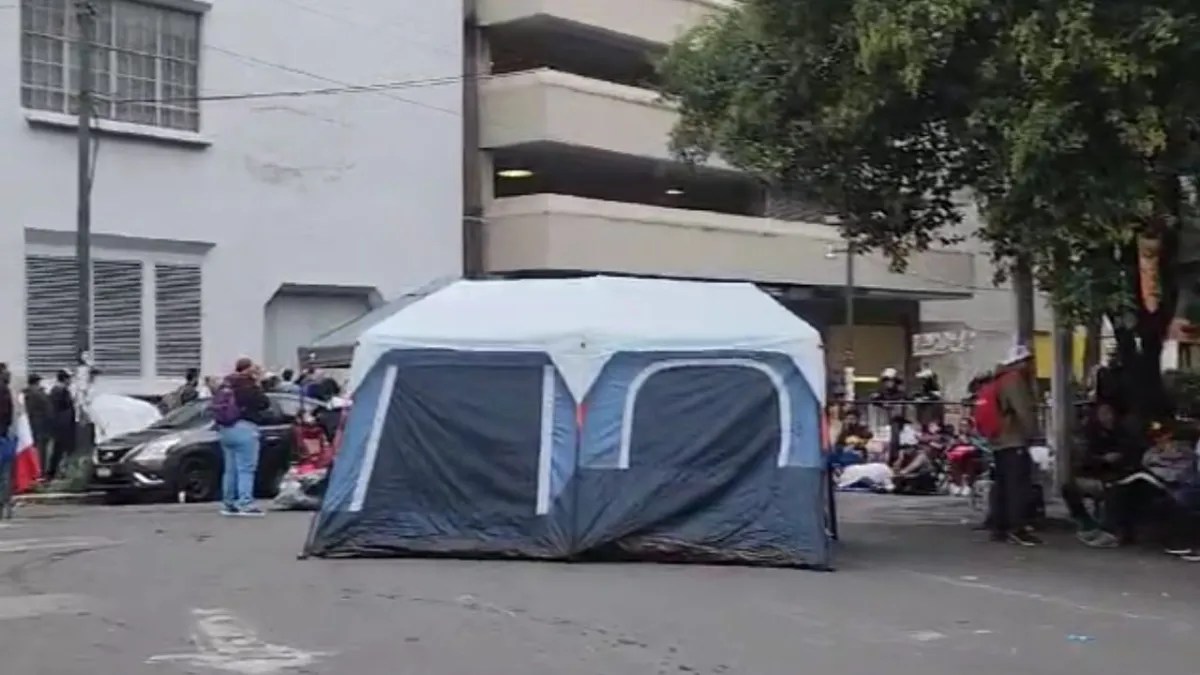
181, 453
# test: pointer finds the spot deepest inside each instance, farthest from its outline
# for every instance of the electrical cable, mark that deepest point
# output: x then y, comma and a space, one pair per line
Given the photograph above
345, 88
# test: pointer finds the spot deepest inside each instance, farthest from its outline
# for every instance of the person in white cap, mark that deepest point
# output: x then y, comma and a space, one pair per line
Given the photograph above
1012, 493
890, 398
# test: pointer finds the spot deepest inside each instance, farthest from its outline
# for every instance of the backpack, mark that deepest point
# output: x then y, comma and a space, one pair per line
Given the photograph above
988, 417
224, 406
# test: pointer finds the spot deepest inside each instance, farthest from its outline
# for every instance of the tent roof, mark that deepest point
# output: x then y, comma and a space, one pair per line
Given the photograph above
582, 322
335, 348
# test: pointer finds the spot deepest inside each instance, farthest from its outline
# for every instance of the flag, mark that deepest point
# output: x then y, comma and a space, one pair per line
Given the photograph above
27, 467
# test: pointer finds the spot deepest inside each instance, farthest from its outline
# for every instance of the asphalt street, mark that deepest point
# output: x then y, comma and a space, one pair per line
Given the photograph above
159, 590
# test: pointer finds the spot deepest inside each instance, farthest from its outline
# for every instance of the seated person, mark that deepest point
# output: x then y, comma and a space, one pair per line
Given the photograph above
1110, 453
913, 471
1167, 481
965, 459
849, 448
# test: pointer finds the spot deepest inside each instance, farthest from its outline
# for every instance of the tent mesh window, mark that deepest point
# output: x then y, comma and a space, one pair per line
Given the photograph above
178, 318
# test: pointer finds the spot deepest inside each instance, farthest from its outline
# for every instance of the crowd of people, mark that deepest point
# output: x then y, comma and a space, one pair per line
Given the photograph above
1130, 477
1129, 483
237, 403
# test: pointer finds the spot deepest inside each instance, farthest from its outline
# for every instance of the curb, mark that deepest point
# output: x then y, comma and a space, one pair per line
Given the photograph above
55, 498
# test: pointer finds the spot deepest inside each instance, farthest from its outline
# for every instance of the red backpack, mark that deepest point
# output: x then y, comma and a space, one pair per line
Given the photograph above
989, 418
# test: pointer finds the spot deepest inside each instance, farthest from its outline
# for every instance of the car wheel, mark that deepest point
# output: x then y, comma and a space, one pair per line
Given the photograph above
198, 480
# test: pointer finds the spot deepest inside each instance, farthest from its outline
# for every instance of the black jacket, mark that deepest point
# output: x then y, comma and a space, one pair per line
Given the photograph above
62, 407
7, 409
37, 405
1099, 442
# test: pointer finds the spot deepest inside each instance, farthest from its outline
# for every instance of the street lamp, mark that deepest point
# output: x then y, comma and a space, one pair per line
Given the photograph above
831, 254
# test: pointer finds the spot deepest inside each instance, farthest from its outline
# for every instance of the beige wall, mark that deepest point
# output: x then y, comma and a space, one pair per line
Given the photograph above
548, 105
875, 348
658, 21
571, 233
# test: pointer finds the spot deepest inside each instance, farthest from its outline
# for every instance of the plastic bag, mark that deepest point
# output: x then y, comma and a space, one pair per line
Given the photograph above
301, 491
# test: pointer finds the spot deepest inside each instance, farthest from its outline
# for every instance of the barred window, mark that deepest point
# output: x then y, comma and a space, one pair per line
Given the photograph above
177, 318
146, 62
117, 317
51, 291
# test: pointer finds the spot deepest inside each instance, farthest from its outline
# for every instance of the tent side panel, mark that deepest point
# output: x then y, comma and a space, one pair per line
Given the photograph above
332, 520
460, 462
700, 461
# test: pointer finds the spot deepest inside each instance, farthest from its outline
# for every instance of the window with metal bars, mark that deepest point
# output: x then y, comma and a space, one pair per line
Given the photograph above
146, 61
51, 290
177, 318
51, 294
117, 317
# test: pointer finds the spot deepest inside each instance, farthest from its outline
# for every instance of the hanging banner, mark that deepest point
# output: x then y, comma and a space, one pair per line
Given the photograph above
1149, 249
940, 343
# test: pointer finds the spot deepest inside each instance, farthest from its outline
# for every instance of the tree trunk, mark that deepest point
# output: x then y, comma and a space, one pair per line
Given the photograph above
1142, 332
1024, 296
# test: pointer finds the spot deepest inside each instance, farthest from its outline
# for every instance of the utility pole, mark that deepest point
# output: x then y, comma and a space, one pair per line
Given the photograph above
849, 299
1062, 409
1024, 295
85, 18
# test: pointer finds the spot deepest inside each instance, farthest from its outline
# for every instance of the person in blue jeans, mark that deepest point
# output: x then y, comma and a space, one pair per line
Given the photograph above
239, 407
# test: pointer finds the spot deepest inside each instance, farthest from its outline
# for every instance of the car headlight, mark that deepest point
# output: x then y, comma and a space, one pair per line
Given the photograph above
155, 450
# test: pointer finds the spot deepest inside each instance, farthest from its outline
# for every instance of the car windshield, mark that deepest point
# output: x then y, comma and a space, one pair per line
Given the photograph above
190, 415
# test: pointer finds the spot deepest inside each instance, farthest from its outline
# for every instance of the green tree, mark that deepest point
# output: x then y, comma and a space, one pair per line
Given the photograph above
1072, 123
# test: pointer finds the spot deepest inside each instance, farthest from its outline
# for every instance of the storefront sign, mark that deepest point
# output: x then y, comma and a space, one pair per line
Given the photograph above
944, 342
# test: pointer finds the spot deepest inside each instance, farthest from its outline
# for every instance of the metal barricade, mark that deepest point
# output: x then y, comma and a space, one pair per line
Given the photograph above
877, 415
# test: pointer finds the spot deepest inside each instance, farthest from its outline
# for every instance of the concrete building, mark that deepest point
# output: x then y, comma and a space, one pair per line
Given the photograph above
574, 175
246, 221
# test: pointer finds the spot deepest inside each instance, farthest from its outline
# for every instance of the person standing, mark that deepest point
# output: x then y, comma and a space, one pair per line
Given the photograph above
238, 407
1012, 491
890, 399
287, 384
41, 413
8, 443
62, 423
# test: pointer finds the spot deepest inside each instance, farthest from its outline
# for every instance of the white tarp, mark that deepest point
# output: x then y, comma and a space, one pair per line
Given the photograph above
581, 323
115, 415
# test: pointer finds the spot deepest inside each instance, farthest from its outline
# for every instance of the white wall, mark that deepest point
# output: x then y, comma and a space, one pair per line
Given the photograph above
356, 189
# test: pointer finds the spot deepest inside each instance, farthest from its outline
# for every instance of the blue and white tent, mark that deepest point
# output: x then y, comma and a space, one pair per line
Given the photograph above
584, 418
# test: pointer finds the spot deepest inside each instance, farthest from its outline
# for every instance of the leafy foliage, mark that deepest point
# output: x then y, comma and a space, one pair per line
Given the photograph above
1069, 120
1073, 123
776, 88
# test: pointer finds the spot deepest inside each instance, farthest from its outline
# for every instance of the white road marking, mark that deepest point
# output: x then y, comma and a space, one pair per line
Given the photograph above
225, 642
51, 543
1040, 597
31, 606
927, 635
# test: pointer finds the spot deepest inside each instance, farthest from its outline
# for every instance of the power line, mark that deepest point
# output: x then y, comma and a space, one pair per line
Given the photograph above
380, 87
342, 88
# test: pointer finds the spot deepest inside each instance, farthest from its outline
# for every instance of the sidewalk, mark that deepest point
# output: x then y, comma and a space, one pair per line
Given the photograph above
56, 498
934, 535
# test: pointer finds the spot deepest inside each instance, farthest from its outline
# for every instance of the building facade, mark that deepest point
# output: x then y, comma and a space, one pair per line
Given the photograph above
574, 175
249, 190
